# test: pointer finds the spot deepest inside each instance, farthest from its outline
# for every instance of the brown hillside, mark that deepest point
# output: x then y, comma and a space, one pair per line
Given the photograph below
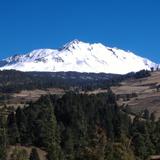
146, 89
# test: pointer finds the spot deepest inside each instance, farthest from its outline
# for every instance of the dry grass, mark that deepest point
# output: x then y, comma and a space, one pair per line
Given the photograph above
33, 95
20, 99
41, 153
145, 88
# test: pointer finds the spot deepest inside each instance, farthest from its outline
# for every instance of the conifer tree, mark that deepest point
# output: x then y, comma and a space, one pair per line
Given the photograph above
3, 137
52, 136
34, 155
3, 143
22, 125
13, 133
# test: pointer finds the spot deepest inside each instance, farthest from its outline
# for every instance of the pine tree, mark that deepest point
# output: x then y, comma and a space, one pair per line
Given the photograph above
52, 136
3, 137
22, 125
3, 143
34, 155
13, 133
69, 145
152, 117
146, 114
96, 148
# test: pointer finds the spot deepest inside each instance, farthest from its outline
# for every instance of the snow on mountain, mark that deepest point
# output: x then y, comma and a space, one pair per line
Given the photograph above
79, 56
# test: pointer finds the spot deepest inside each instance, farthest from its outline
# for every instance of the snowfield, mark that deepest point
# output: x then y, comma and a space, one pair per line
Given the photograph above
80, 57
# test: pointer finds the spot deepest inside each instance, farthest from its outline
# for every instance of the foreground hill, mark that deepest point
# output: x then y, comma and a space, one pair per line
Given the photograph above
80, 57
80, 127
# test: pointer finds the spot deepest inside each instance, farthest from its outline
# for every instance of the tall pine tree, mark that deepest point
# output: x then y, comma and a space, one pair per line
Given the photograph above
13, 133
52, 135
21, 121
34, 155
3, 143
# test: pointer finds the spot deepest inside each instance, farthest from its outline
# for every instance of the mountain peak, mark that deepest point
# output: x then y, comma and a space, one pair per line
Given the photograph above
81, 57
75, 44
75, 41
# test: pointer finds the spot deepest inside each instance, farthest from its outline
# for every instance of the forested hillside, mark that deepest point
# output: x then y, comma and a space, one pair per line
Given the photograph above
12, 81
80, 127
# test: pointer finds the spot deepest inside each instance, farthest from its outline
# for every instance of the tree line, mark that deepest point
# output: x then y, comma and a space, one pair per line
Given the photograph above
12, 81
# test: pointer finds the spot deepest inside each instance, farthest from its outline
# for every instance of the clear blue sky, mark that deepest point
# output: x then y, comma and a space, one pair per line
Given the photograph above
128, 24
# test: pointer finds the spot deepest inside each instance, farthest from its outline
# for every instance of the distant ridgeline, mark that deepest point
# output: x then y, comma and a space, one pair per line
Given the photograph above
15, 81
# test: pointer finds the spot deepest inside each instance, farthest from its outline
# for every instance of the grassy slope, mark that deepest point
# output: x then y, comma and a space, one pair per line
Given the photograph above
147, 95
41, 153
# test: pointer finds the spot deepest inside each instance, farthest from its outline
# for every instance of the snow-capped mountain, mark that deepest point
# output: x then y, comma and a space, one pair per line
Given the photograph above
79, 56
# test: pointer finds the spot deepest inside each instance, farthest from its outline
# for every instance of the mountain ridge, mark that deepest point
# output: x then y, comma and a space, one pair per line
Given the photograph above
80, 57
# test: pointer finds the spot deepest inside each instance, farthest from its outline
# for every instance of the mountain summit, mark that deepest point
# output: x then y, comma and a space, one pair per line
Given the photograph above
78, 56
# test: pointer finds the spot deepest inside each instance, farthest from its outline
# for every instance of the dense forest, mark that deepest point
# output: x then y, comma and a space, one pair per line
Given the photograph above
12, 81
80, 127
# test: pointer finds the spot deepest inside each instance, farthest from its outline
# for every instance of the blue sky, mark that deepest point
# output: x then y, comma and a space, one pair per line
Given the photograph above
128, 24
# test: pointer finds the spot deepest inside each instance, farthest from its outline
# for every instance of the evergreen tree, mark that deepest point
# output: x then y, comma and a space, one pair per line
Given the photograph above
3, 137
140, 148
69, 145
21, 121
118, 151
52, 136
34, 155
152, 117
96, 147
3, 144
13, 133
146, 114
